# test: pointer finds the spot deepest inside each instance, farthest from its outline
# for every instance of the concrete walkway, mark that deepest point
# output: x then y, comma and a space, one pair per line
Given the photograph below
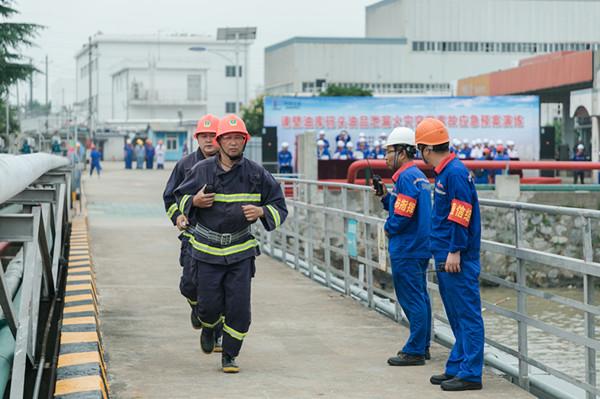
305, 340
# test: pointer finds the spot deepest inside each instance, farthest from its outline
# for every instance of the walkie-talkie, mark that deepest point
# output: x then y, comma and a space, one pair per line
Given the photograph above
209, 188
377, 181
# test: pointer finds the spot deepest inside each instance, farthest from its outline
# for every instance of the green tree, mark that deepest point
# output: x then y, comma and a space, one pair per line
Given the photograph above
253, 116
13, 37
338, 91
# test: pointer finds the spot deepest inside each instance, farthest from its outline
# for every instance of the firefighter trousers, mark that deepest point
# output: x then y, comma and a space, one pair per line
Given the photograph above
223, 298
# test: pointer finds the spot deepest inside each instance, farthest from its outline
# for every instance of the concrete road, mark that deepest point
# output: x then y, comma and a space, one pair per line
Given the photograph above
305, 340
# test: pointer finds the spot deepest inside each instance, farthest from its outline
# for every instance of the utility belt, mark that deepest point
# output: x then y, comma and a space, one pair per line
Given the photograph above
223, 239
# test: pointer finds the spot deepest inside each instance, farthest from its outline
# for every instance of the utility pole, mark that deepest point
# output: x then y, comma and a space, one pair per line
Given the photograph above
31, 85
47, 105
90, 88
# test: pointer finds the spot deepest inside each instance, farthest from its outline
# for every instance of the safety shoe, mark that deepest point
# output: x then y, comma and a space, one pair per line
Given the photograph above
404, 359
439, 378
196, 325
456, 384
218, 344
229, 365
207, 340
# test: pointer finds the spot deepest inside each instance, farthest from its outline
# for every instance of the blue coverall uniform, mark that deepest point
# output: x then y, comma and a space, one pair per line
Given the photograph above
224, 267
456, 226
187, 284
408, 229
128, 149
284, 158
95, 162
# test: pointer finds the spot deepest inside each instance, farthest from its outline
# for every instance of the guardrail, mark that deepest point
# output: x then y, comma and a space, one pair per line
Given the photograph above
334, 235
34, 220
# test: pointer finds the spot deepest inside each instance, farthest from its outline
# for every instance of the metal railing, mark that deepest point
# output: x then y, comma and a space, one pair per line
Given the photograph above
334, 234
35, 223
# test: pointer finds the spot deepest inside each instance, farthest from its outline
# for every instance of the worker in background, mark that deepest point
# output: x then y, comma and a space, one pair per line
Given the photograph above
343, 136
140, 154
482, 176
128, 154
500, 156
351, 153
363, 147
382, 138
284, 159
465, 151
476, 151
455, 244
160, 155
408, 230
511, 150
222, 197
95, 156
455, 148
323, 139
378, 151
206, 130
150, 152
26, 148
341, 152
322, 151
579, 156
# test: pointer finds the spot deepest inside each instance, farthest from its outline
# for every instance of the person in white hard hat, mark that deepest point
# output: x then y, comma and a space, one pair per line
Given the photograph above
408, 229
465, 151
579, 156
511, 151
353, 154
341, 152
284, 159
322, 151
363, 147
378, 152
476, 151
456, 143
323, 139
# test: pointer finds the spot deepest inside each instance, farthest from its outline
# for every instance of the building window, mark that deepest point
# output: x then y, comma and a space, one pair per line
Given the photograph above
194, 87
230, 71
230, 107
171, 142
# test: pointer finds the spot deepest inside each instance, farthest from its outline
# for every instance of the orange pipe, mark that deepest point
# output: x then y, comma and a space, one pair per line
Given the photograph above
379, 164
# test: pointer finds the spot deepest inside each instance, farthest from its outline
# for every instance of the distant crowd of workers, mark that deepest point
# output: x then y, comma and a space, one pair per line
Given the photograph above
144, 152
214, 195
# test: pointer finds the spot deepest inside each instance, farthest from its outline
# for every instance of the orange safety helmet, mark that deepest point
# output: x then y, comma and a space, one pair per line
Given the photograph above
431, 131
207, 124
232, 124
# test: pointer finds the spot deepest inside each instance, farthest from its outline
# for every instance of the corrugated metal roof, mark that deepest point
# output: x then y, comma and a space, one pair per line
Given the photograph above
335, 40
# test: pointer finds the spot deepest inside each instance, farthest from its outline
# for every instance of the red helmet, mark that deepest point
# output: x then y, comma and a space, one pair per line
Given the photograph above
207, 124
232, 124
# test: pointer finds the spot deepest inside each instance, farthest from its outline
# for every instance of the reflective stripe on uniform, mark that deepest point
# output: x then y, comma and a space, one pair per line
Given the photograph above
182, 202
234, 249
172, 210
233, 333
211, 325
275, 215
193, 303
241, 197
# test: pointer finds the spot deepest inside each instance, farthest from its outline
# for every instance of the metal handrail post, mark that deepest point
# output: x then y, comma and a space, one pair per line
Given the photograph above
522, 341
588, 299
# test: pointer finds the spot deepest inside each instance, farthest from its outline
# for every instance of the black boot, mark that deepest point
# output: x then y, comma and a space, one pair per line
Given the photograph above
229, 365
456, 384
196, 325
207, 340
404, 359
439, 378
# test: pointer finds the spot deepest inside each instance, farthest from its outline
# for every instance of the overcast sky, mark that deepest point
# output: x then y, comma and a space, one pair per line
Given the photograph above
70, 22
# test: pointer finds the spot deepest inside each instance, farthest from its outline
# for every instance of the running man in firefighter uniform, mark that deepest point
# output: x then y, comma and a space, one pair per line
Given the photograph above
222, 197
408, 229
205, 133
455, 243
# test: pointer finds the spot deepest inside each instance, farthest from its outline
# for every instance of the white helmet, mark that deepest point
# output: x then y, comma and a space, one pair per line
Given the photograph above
383, 134
341, 143
321, 132
321, 143
401, 135
580, 147
510, 142
361, 134
349, 145
284, 145
362, 140
486, 141
376, 143
465, 141
499, 142
456, 142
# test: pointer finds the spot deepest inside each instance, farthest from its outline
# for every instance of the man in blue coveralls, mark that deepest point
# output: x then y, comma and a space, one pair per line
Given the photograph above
284, 159
408, 229
222, 197
455, 243
205, 133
